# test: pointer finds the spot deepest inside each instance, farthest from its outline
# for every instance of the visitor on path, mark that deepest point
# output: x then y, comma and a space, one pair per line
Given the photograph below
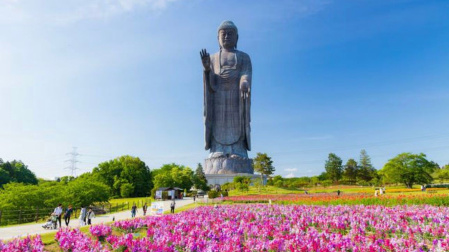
133, 210
144, 209
172, 207
50, 224
67, 215
338, 192
90, 216
83, 214
58, 212
375, 193
194, 198
54, 220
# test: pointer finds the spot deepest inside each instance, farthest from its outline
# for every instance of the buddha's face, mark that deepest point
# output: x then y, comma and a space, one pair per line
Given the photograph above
227, 38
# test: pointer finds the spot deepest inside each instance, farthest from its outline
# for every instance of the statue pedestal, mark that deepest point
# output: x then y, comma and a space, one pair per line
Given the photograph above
228, 165
223, 169
220, 179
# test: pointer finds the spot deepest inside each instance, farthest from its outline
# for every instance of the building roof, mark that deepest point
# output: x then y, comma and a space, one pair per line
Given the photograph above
169, 188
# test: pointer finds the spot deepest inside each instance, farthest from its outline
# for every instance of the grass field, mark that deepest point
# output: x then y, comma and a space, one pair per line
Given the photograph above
264, 190
330, 189
126, 203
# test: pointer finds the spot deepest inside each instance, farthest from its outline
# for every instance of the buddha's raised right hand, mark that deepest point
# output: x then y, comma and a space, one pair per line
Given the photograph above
205, 58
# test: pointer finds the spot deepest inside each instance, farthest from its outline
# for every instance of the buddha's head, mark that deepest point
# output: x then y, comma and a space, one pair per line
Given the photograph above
228, 35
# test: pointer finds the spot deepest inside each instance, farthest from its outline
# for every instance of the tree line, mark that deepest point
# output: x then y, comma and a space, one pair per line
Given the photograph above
122, 177
406, 168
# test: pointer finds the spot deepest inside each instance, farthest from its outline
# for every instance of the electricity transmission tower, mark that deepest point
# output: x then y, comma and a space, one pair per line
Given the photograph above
72, 161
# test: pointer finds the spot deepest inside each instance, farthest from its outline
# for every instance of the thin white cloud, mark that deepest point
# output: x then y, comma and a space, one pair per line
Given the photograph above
291, 169
69, 11
290, 175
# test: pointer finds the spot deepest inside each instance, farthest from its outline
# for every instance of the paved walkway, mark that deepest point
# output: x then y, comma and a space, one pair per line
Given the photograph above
36, 228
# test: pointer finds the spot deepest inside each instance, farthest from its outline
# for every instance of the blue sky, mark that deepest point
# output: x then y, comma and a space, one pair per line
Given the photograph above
123, 77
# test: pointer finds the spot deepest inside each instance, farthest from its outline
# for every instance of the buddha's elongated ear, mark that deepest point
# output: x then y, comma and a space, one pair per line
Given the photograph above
237, 40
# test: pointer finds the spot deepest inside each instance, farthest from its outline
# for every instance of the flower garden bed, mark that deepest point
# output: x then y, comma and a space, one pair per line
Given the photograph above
262, 227
345, 199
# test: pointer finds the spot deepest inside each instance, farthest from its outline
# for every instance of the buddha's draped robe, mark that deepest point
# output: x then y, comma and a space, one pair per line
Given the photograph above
226, 108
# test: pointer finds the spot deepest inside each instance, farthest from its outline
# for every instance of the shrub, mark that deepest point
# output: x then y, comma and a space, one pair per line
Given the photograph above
438, 186
212, 194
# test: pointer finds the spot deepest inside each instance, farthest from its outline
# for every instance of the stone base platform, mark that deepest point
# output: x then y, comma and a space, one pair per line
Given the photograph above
228, 165
220, 179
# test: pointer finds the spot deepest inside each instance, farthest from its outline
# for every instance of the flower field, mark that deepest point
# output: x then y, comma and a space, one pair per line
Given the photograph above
345, 199
262, 227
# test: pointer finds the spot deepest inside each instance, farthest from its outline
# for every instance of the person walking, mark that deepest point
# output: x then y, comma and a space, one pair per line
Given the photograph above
67, 215
172, 207
82, 218
133, 210
58, 212
90, 216
144, 209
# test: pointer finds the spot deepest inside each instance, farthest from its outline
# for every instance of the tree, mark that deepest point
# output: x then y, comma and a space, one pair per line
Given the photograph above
18, 195
443, 173
16, 171
126, 189
66, 179
4, 177
263, 164
125, 170
172, 175
86, 190
350, 171
199, 179
366, 170
333, 166
409, 169
242, 182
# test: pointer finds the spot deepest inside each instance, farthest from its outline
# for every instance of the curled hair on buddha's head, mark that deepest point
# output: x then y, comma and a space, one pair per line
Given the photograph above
229, 25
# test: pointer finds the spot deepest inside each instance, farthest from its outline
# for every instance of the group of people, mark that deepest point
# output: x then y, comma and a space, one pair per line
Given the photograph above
134, 210
86, 215
379, 192
59, 213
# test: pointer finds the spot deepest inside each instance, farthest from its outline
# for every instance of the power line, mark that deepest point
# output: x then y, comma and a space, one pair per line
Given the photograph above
72, 167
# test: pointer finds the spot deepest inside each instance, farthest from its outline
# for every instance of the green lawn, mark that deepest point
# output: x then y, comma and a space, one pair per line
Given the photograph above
264, 190
329, 189
126, 203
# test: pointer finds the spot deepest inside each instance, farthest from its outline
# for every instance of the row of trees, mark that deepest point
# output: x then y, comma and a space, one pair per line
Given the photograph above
125, 176
405, 168
352, 172
81, 191
128, 176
